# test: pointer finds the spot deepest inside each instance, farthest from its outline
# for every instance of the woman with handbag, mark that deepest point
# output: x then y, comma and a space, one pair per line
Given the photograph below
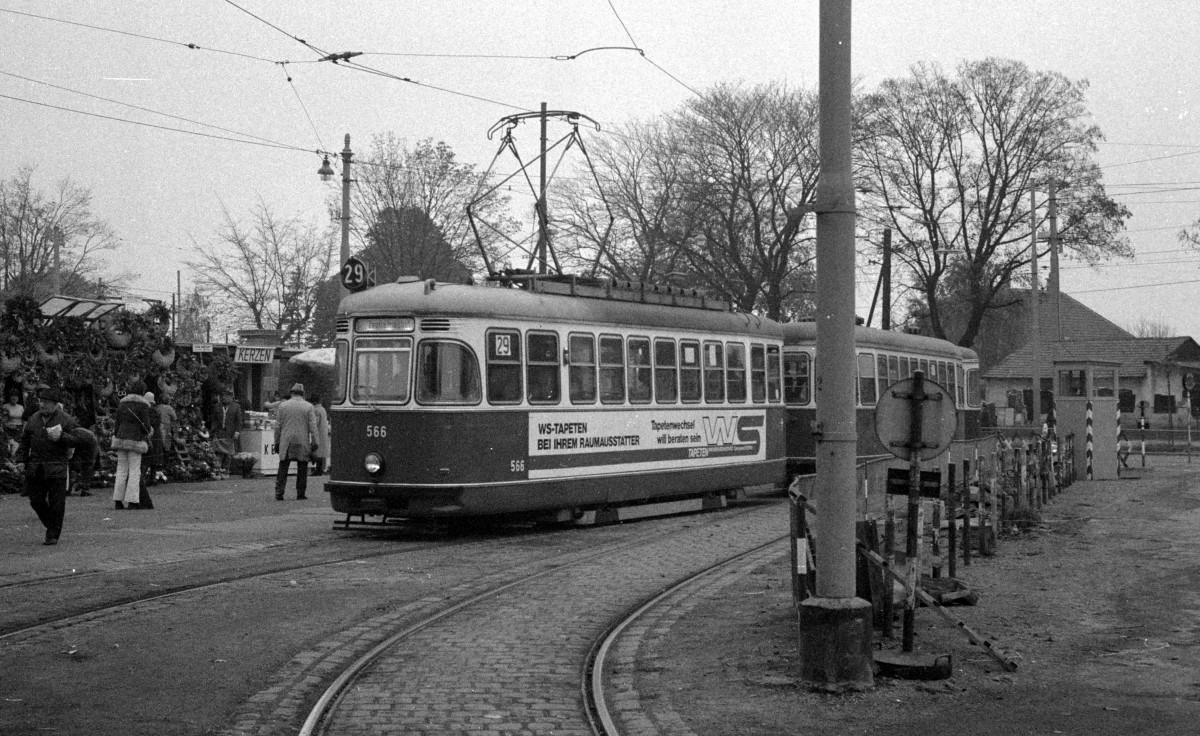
131, 440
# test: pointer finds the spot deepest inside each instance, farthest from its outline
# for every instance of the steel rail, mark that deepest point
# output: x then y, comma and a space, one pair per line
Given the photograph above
599, 715
318, 718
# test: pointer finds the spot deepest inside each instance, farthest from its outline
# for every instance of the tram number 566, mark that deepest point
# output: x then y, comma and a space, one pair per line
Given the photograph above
516, 466
377, 431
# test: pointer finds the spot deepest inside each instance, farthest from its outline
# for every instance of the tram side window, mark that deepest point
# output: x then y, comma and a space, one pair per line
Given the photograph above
942, 377
773, 374
924, 368
447, 373
883, 373
612, 370
640, 373
541, 367
974, 394
866, 379
905, 371
666, 381
341, 353
381, 369
797, 378
735, 372
714, 372
504, 366
960, 387
893, 373
582, 373
758, 374
689, 371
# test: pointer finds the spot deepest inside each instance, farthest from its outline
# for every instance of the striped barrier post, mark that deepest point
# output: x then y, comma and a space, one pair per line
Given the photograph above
1122, 449
1089, 440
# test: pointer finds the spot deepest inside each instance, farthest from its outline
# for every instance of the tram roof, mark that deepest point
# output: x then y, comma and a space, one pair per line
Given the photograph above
426, 298
797, 333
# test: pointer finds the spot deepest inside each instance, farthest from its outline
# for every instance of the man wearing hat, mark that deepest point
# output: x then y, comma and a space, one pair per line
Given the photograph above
45, 453
296, 437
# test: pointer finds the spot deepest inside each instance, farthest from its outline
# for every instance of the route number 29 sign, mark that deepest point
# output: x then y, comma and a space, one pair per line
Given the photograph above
357, 275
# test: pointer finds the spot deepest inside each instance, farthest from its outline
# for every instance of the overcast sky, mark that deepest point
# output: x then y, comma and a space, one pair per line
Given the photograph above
471, 62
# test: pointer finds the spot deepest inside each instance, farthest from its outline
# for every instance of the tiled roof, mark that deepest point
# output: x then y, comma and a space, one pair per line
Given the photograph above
1078, 322
1131, 354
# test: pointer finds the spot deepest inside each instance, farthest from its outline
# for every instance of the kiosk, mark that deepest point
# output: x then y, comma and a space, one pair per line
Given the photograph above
1085, 394
258, 439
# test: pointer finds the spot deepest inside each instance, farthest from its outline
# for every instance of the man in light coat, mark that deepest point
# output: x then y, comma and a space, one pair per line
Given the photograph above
296, 438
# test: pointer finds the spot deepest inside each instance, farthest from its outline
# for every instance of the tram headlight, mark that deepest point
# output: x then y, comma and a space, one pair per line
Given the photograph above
373, 463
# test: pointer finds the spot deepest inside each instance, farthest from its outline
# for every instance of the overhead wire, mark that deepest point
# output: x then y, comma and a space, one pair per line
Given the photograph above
263, 143
1135, 286
185, 44
652, 62
304, 107
139, 107
269, 24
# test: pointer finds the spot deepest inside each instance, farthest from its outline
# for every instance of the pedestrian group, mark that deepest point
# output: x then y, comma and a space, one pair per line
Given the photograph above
55, 454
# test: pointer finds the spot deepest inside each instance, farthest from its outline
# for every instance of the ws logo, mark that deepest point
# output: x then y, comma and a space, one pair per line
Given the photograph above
731, 429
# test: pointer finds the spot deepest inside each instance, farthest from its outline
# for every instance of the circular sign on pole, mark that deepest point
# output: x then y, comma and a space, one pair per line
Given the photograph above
894, 415
354, 274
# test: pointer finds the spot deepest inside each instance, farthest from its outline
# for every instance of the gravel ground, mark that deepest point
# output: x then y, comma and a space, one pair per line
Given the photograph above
1098, 604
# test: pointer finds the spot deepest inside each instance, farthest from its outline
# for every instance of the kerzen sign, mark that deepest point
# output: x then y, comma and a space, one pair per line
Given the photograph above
253, 354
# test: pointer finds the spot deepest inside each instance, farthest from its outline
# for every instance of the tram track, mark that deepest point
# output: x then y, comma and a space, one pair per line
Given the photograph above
248, 570
288, 629
327, 707
131, 602
594, 683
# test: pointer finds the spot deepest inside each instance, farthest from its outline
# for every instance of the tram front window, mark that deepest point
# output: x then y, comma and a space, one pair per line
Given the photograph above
381, 370
447, 373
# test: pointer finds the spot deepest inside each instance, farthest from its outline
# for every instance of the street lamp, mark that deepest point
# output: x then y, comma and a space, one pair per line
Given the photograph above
326, 174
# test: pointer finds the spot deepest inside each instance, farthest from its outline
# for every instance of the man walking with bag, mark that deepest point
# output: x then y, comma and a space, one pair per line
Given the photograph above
44, 451
296, 438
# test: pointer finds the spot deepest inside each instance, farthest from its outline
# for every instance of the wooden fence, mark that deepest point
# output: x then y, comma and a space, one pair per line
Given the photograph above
985, 488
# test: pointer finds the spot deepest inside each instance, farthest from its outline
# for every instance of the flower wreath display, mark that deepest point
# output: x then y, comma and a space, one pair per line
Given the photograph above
93, 361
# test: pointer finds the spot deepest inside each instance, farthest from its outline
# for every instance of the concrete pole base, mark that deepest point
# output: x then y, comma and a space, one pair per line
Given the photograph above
835, 644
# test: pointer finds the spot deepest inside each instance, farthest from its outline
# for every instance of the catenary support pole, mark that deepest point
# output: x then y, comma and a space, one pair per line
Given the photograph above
885, 315
344, 252
1035, 305
835, 624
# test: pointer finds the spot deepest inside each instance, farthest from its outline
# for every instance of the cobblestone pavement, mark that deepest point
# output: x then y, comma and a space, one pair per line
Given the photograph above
635, 673
512, 665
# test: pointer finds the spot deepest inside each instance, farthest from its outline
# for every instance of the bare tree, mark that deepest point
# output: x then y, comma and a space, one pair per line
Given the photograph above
266, 271
754, 153
193, 318
1152, 327
33, 224
631, 219
427, 180
950, 163
712, 191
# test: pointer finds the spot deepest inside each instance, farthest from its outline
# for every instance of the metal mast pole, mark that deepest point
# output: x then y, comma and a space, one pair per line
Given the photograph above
345, 251
1055, 285
543, 219
1035, 304
835, 625
885, 317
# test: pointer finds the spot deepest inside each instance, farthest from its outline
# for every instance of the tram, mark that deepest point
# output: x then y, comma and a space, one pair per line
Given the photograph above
569, 399
882, 357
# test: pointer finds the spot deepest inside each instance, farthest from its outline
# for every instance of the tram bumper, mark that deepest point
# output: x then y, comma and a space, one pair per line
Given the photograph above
395, 501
